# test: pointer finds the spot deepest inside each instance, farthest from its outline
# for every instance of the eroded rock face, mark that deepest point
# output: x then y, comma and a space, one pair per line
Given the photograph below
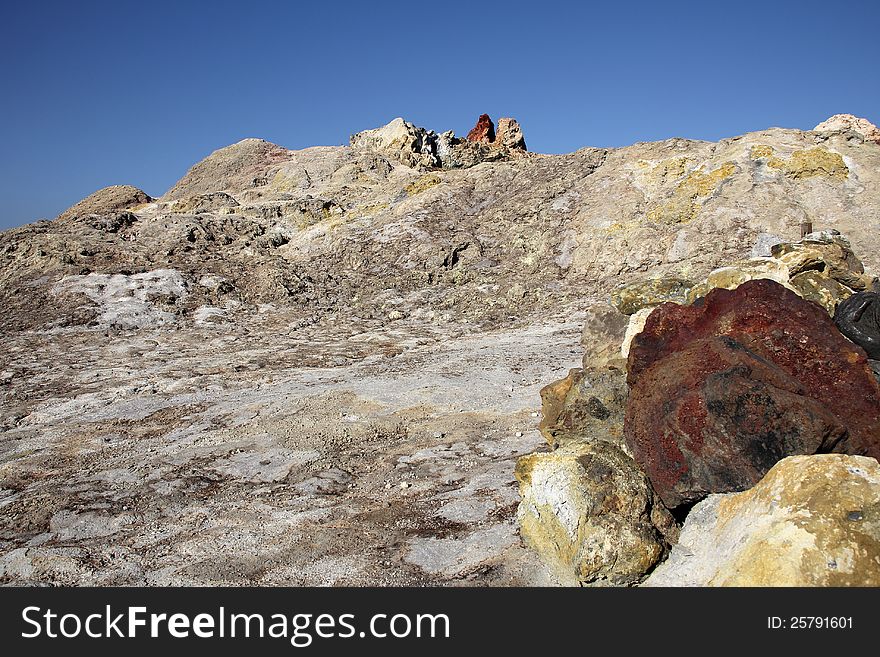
590, 513
107, 200
483, 132
720, 391
858, 318
811, 521
840, 122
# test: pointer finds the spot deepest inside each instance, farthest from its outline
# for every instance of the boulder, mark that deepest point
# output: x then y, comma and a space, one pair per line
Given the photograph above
819, 288
811, 521
632, 297
844, 122
723, 389
858, 318
733, 276
483, 132
826, 253
603, 332
106, 200
591, 515
584, 404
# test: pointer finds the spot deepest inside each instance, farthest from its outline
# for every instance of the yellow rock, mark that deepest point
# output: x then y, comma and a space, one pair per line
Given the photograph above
730, 278
816, 162
811, 521
590, 513
815, 286
423, 183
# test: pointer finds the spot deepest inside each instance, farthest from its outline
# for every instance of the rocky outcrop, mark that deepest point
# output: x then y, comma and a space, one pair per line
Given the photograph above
723, 389
509, 135
107, 200
483, 132
590, 513
811, 521
401, 141
858, 318
846, 122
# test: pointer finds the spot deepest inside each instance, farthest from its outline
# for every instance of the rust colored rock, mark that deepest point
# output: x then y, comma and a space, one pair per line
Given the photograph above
722, 390
483, 132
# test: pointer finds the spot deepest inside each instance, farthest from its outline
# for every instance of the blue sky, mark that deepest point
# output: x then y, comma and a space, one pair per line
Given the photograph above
101, 93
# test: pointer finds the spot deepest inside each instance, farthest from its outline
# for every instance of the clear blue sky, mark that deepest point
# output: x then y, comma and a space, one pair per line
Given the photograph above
101, 93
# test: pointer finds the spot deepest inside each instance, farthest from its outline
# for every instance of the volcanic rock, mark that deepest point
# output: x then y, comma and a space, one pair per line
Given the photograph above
603, 332
844, 122
632, 297
811, 521
723, 389
483, 132
402, 141
824, 290
858, 318
509, 135
590, 513
584, 404
108, 199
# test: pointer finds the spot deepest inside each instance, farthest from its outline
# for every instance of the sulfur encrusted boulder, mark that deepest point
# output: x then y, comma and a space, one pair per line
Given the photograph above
632, 297
590, 514
722, 390
824, 290
828, 253
811, 521
731, 277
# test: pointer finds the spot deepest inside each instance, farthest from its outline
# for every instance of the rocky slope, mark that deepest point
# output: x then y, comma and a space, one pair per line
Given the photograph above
320, 366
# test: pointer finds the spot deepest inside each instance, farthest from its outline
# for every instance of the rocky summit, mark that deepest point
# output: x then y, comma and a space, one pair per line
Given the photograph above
428, 359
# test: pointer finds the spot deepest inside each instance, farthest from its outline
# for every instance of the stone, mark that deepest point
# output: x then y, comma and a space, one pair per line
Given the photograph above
845, 122
815, 286
721, 390
590, 514
636, 325
585, 403
632, 297
402, 141
731, 277
858, 318
604, 330
811, 521
483, 132
509, 135
107, 200
827, 253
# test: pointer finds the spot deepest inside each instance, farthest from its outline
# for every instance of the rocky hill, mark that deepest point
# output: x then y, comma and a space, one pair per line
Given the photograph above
320, 366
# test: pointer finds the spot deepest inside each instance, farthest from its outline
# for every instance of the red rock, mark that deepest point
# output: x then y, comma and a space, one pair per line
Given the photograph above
483, 132
722, 390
